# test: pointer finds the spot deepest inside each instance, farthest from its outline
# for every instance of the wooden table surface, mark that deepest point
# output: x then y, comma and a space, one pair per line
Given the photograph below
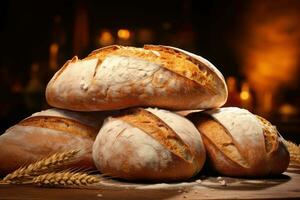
286, 186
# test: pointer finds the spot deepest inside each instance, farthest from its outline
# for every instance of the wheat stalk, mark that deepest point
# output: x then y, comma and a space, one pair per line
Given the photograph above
46, 165
294, 151
63, 179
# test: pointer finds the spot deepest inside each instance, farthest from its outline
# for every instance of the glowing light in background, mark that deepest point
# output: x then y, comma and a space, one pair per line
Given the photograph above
106, 38
245, 94
270, 50
53, 57
246, 97
287, 111
124, 34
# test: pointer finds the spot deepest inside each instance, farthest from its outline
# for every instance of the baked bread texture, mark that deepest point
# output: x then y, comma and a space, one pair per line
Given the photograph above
149, 145
241, 144
48, 132
117, 77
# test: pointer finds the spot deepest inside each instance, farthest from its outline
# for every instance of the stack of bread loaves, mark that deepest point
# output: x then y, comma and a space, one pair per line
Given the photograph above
141, 143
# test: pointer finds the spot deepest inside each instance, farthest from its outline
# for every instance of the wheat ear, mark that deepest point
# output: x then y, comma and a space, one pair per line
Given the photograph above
46, 165
294, 151
67, 178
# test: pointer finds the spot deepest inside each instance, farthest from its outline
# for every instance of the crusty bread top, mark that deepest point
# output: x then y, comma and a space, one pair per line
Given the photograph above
159, 130
60, 124
241, 143
176, 60
123, 146
248, 128
218, 136
197, 72
183, 127
240, 123
92, 119
77, 123
117, 77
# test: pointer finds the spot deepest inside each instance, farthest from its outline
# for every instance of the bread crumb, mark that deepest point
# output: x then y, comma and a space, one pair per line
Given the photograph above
223, 183
99, 195
199, 181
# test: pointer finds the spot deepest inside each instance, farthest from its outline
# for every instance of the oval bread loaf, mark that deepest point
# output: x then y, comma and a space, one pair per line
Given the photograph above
149, 144
239, 143
117, 77
48, 132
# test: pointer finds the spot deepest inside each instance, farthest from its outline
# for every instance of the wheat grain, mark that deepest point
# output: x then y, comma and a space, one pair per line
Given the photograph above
46, 165
294, 151
65, 179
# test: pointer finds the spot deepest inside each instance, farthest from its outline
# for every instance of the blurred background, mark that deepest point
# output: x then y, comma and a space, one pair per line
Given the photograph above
255, 44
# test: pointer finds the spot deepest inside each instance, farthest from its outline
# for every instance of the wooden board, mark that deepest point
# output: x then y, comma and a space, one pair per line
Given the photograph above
286, 186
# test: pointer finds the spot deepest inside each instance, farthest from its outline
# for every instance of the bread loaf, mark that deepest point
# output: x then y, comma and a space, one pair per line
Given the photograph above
117, 77
48, 132
239, 143
149, 144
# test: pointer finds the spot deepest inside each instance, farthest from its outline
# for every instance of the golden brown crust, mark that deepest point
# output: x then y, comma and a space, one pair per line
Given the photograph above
148, 145
62, 69
21, 145
159, 130
103, 52
48, 132
215, 134
186, 94
270, 135
60, 124
185, 65
277, 152
224, 152
294, 151
172, 75
171, 59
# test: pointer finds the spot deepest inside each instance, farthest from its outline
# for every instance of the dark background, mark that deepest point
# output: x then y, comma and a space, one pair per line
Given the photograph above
221, 31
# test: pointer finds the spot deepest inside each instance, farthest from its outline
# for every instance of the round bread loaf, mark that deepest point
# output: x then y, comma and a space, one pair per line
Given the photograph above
117, 77
48, 132
239, 143
149, 145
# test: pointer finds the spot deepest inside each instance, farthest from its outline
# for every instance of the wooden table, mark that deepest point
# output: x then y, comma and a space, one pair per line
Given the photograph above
286, 186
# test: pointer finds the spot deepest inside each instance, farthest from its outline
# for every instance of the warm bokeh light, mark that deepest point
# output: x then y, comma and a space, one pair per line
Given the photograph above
106, 38
287, 110
270, 51
245, 94
124, 34
53, 48
53, 56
